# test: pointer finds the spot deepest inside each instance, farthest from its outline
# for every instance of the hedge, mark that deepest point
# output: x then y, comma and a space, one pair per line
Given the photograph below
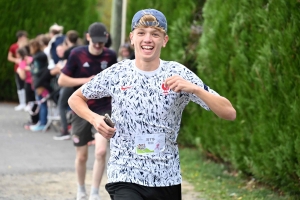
249, 52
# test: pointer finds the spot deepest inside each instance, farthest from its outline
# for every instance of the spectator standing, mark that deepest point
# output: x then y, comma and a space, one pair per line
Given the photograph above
56, 38
125, 52
84, 63
65, 92
12, 57
25, 74
41, 86
148, 98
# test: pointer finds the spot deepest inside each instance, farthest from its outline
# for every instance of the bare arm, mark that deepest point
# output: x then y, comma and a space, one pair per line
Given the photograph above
56, 70
78, 104
67, 81
218, 104
12, 59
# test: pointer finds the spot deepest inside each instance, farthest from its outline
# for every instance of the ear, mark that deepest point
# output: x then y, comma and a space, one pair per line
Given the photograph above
131, 36
166, 39
87, 36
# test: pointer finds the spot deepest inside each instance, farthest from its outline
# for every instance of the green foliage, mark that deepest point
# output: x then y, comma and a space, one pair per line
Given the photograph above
105, 9
36, 17
249, 52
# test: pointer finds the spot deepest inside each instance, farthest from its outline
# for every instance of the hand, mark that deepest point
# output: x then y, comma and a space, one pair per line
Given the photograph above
90, 78
100, 125
178, 84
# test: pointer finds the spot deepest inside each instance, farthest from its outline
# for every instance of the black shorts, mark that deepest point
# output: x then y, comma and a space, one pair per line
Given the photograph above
19, 82
82, 131
132, 191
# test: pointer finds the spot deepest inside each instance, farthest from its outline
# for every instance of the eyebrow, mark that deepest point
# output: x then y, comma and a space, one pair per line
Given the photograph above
152, 31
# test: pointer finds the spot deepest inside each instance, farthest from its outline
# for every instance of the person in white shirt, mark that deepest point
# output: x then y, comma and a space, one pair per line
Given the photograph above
148, 98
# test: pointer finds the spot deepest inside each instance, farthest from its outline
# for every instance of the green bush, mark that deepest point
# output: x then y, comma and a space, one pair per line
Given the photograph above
249, 52
36, 17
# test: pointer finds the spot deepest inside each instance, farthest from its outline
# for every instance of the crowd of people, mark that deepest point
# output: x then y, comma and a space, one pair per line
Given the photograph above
144, 95
50, 67
37, 64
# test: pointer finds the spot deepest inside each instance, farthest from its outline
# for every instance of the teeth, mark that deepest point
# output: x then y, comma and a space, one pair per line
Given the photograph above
147, 47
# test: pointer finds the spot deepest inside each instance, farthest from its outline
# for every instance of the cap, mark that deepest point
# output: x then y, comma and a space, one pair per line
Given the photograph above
160, 17
98, 32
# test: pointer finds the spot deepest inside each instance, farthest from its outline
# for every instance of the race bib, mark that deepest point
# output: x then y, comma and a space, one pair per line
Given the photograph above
149, 143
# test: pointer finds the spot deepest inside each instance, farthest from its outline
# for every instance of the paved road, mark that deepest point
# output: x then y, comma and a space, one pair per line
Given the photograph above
32, 161
33, 166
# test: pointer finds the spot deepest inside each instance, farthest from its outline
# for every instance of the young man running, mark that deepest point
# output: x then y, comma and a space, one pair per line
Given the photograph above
84, 63
148, 98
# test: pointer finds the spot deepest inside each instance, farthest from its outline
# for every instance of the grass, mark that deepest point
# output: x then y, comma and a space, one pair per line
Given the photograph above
214, 182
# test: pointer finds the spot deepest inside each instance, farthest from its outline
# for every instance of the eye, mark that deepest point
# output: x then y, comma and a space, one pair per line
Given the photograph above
140, 33
155, 34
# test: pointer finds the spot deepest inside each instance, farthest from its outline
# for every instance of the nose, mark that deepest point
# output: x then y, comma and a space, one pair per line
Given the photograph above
148, 37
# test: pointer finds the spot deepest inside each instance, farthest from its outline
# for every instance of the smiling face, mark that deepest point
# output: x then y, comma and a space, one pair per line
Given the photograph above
147, 42
95, 48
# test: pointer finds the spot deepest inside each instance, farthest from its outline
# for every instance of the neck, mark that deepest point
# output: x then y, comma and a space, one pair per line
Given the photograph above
147, 66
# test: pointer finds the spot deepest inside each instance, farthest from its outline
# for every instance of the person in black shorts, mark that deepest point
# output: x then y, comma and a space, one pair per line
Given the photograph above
83, 64
148, 98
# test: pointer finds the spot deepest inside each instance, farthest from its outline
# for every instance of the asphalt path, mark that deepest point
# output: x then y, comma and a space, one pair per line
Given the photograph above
32, 155
33, 166
24, 151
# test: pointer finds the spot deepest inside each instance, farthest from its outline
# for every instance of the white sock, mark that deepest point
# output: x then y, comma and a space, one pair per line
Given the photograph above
81, 189
94, 190
22, 97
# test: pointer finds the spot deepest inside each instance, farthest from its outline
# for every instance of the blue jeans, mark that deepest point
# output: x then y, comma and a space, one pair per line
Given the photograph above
43, 114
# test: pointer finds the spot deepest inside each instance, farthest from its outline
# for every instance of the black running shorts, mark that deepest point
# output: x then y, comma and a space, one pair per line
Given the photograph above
132, 191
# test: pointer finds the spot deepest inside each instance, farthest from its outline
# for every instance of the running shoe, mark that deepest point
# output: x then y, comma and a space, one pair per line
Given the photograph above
28, 124
37, 127
62, 137
94, 197
81, 196
20, 107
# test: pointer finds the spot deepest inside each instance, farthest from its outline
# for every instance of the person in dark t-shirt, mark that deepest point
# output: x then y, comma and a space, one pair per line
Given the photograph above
83, 64
41, 86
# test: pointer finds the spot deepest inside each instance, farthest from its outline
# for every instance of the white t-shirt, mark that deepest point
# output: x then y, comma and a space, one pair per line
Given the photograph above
145, 111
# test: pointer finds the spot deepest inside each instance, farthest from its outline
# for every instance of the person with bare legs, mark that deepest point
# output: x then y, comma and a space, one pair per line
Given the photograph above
22, 40
148, 97
83, 64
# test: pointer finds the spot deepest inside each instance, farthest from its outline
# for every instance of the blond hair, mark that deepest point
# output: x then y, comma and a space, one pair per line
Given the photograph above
149, 21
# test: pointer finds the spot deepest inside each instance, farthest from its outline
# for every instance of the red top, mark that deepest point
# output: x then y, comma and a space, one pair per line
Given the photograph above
13, 49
